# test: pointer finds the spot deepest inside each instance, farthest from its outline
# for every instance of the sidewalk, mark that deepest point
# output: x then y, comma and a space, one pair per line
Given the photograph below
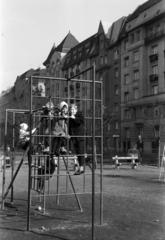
133, 208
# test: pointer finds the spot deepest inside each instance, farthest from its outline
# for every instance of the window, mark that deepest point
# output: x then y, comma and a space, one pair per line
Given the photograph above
116, 125
116, 54
136, 93
136, 74
116, 90
151, 31
126, 96
74, 55
106, 59
155, 69
132, 38
136, 56
126, 79
127, 114
125, 44
116, 107
87, 50
101, 76
140, 131
126, 61
158, 28
155, 147
154, 90
127, 132
138, 35
102, 44
154, 49
116, 72
101, 60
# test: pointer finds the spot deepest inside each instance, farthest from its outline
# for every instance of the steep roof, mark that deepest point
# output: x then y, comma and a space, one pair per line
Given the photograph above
116, 29
28, 73
83, 47
67, 43
149, 10
142, 8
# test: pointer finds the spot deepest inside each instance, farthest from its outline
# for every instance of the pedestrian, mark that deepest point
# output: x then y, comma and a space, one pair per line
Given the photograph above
76, 132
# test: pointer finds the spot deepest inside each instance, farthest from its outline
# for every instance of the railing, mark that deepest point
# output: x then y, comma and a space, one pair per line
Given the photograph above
153, 57
155, 35
153, 77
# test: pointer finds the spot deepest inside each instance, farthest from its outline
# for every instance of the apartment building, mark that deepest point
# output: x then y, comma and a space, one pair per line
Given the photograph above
129, 55
54, 67
142, 76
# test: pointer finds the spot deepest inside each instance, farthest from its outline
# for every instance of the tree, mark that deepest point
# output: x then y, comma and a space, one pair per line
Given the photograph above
154, 116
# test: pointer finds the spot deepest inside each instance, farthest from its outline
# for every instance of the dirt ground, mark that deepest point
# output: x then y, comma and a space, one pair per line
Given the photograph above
133, 208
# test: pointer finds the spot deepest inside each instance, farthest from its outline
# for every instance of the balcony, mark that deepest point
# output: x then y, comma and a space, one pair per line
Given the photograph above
153, 57
153, 77
154, 36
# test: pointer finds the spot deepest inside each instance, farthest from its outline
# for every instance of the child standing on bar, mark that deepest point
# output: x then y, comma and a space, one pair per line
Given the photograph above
76, 122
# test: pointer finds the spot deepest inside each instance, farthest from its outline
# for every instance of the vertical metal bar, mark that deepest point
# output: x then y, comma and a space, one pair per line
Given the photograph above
16, 172
4, 163
58, 176
93, 165
67, 169
13, 156
76, 196
29, 159
101, 167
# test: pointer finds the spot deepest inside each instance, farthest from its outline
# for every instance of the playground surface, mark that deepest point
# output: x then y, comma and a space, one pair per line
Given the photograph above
133, 208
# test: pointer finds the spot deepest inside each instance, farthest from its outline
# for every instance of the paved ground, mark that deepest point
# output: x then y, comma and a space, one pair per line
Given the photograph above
133, 208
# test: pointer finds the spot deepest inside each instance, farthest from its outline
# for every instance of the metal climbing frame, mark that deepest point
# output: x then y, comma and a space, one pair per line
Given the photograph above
89, 98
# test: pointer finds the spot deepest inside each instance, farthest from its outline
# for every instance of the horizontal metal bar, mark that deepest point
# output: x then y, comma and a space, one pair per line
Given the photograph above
62, 194
80, 73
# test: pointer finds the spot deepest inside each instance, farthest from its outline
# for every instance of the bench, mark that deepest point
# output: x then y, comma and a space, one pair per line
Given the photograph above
125, 160
8, 164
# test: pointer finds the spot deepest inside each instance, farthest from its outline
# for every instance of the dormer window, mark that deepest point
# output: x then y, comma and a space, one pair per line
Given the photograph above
87, 50
80, 52
74, 55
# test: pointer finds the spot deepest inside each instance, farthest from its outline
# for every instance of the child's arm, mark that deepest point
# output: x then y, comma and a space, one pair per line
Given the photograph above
79, 118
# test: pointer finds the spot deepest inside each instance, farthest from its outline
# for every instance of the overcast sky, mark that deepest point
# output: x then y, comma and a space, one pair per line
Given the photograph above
30, 27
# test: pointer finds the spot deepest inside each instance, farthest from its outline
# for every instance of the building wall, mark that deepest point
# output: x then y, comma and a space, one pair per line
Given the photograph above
146, 98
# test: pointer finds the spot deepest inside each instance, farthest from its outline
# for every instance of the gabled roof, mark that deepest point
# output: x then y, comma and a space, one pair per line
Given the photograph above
104, 27
67, 43
111, 30
142, 8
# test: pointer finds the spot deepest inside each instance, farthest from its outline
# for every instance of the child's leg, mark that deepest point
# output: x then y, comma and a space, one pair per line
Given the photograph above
79, 148
57, 145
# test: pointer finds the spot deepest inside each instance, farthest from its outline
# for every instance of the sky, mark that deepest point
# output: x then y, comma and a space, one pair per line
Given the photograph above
29, 28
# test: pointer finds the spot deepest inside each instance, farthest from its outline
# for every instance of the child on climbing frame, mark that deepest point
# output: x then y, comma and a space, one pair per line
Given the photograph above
76, 122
